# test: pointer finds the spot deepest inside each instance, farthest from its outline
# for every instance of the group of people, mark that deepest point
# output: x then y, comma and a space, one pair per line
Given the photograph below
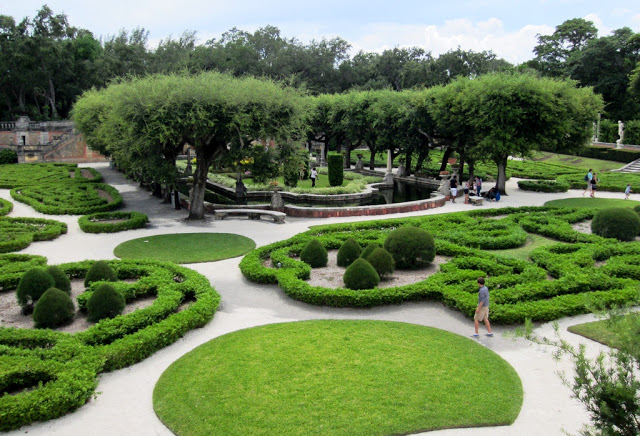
592, 183
472, 187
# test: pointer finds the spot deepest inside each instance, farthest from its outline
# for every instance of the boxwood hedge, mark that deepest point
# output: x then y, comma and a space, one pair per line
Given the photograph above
560, 280
543, 186
69, 198
18, 233
61, 367
5, 206
110, 222
12, 176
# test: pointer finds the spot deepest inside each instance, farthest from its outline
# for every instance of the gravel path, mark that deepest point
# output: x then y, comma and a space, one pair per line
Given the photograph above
124, 403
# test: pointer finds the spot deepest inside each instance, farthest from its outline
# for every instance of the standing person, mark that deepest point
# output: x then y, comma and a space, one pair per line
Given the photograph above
482, 311
467, 187
627, 192
478, 186
313, 176
588, 179
453, 184
594, 185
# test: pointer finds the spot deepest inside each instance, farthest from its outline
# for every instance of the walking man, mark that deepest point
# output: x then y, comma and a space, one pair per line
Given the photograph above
313, 176
482, 311
588, 179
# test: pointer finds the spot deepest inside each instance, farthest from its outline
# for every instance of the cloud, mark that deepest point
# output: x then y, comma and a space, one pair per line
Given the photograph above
597, 21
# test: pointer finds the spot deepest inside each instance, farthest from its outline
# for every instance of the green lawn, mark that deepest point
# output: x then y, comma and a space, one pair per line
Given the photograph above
522, 253
577, 161
600, 331
587, 201
186, 247
321, 182
337, 378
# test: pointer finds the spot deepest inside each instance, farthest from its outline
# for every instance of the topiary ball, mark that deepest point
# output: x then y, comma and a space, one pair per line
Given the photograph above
620, 223
348, 252
105, 302
360, 275
382, 261
60, 278
368, 250
637, 209
100, 271
32, 285
53, 309
314, 254
411, 247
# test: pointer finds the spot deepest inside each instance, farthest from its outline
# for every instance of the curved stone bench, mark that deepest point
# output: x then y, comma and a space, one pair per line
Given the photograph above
253, 214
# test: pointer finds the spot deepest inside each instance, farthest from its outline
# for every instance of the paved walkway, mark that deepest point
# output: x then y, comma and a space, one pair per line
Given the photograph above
124, 404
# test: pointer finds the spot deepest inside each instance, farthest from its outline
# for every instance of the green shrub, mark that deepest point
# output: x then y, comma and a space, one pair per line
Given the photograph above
382, 261
32, 285
291, 175
637, 209
105, 302
411, 247
5, 206
95, 222
314, 254
543, 186
368, 250
348, 252
8, 157
335, 166
100, 271
616, 222
361, 275
18, 233
61, 279
53, 309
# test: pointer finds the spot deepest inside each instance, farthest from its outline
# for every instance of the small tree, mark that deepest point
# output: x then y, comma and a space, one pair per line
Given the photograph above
100, 271
53, 309
32, 285
336, 172
348, 252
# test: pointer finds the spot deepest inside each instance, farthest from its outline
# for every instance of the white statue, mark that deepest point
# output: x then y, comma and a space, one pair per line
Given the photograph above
619, 142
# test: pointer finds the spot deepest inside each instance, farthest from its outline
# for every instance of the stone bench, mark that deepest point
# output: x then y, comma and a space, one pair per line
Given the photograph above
253, 214
476, 201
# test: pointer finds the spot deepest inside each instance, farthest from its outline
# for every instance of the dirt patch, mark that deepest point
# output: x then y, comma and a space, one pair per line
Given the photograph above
114, 221
582, 227
87, 174
104, 194
11, 315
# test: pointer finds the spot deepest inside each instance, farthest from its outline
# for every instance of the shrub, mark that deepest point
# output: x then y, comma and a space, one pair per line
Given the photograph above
61, 279
336, 170
543, 186
368, 250
53, 309
348, 252
8, 157
96, 222
314, 254
100, 271
616, 222
637, 209
32, 285
361, 275
291, 175
411, 247
105, 302
382, 261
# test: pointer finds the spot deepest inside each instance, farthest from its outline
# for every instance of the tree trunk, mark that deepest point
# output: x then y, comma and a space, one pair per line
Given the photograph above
204, 157
502, 176
372, 159
407, 161
461, 168
422, 155
445, 158
472, 165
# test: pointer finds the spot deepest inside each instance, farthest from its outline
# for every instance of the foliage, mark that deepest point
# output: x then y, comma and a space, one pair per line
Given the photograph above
32, 285
95, 222
542, 186
382, 262
348, 252
53, 309
265, 166
334, 164
60, 278
100, 271
366, 251
617, 222
613, 182
360, 275
410, 247
69, 198
610, 154
314, 254
5, 206
18, 233
592, 203
8, 156
105, 302
12, 176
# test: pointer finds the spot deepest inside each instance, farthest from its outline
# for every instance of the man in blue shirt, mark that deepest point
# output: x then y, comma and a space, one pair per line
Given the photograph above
588, 179
482, 311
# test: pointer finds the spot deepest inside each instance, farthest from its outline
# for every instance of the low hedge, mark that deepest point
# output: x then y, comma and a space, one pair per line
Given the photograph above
5, 206
13, 265
67, 364
69, 198
95, 222
543, 186
18, 233
12, 176
612, 182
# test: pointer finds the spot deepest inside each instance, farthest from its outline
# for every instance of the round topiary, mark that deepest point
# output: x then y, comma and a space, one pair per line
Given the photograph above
53, 309
637, 209
361, 275
348, 252
411, 247
368, 250
620, 223
32, 285
314, 254
382, 261
105, 302
60, 278
100, 271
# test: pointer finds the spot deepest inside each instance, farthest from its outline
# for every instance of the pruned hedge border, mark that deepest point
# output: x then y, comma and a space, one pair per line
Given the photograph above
95, 222
519, 290
72, 361
18, 233
68, 198
543, 186
12, 176
5, 206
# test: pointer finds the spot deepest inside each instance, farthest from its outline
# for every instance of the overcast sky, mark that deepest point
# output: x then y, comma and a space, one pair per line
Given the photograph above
509, 28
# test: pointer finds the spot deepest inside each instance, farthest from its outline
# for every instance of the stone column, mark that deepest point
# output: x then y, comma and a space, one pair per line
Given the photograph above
388, 177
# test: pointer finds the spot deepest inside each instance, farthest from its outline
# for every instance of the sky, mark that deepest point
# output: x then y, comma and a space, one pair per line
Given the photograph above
508, 28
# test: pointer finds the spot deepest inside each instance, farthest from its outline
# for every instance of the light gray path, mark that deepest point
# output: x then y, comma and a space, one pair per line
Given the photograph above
124, 405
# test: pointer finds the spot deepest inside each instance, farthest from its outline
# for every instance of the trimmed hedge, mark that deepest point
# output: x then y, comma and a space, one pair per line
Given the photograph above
348, 252
5, 206
12, 266
53, 309
314, 254
69, 198
543, 186
361, 275
8, 156
46, 174
612, 182
335, 166
620, 223
410, 247
67, 364
95, 222
19, 233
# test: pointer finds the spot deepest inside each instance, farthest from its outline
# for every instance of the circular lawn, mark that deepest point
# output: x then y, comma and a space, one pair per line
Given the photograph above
337, 377
186, 247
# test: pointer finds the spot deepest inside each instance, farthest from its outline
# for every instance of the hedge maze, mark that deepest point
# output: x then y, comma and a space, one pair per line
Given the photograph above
18, 233
576, 275
45, 374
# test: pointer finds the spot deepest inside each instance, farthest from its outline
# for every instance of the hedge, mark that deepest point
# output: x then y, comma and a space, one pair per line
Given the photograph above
335, 166
612, 182
95, 222
18, 233
67, 364
5, 206
612, 154
543, 186
12, 176
519, 289
69, 198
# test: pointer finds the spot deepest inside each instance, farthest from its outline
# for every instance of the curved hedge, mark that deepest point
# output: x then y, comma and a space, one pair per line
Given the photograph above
607, 181
12, 176
18, 233
543, 186
519, 289
69, 198
67, 364
5, 206
95, 222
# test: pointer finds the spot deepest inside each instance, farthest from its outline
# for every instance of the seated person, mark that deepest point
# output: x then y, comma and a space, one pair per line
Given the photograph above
491, 195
